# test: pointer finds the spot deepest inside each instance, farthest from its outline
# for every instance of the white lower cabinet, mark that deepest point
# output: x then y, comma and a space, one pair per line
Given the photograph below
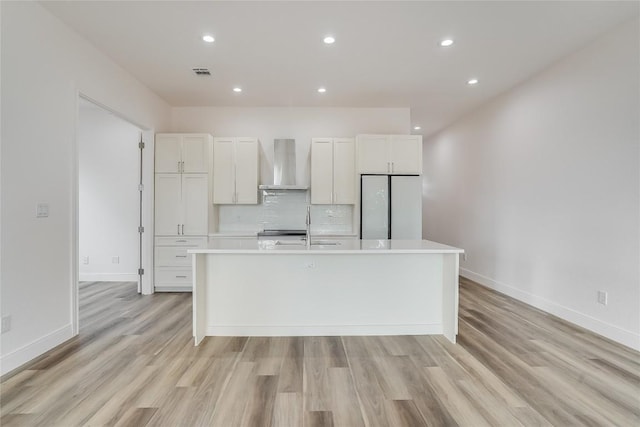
173, 264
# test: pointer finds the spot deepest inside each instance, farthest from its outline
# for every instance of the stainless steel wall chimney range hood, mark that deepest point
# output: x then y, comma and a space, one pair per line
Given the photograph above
284, 166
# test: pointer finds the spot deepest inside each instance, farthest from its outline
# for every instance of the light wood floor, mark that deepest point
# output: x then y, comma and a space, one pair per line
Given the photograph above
134, 364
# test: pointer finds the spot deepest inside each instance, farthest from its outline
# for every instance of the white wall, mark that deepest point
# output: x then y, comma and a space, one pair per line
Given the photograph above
541, 188
44, 66
109, 168
302, 124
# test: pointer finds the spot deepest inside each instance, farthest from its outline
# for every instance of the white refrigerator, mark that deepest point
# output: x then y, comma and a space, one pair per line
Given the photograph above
391, 207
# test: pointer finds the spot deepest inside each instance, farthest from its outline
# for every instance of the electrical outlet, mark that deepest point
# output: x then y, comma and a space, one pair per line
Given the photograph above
115, 260
602, 297
85, 260
6, 324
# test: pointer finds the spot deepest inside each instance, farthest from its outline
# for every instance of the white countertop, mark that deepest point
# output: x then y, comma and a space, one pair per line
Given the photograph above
344, 246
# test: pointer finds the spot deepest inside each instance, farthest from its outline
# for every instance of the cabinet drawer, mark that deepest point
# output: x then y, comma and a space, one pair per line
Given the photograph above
169, 276
194, 242
173, 256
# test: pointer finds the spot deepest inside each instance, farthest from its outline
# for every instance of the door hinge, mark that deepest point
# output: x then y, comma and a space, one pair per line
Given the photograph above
140, 271
140, 187
141, 229
141, 145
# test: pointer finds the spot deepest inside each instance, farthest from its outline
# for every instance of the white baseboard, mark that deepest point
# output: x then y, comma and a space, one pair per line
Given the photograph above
108, 277
322, 330
24, 354
607, 330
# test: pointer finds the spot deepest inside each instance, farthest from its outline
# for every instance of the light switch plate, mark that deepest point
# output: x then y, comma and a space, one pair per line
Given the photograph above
42, 210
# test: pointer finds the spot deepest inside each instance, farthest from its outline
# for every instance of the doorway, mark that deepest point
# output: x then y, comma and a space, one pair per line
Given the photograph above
108, 196
112, 208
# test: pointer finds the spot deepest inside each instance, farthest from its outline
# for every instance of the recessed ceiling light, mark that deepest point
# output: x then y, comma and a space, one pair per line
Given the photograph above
208, 38
237, 89
329, 40
417, 128
446, 42
472, 82
322, 90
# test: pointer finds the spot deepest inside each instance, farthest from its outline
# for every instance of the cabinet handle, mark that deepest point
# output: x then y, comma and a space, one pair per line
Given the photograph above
181, 256
183, 229
181, 241
178, 229
391, 167
182, 167
388, 167
181, 277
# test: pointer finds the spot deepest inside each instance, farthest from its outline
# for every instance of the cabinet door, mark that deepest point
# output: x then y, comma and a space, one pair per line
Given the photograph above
344, 171
195, 209
223, 171
322, 171
373, 154
195, 149
246, 171
406, 154
168, 204
168, 155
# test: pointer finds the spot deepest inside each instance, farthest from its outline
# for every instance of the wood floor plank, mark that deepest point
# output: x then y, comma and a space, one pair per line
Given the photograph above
404, 413
134, 364
318, 419
288, 410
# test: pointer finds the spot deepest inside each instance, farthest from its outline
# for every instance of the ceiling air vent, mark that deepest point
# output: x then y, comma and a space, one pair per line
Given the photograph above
202, 71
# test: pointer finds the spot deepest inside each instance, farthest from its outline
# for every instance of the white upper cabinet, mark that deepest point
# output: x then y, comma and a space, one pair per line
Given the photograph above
406, 154
181, 204
390, 154
373, 154
168, 153
182, 153
333, 174
247, 170
235, 170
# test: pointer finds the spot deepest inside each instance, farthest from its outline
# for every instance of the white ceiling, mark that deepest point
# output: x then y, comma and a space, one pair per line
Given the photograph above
386, 54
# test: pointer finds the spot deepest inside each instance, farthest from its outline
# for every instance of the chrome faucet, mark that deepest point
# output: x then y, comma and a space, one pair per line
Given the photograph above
308, 222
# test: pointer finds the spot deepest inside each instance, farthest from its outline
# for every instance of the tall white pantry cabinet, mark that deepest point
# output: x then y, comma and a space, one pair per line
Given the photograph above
181, 206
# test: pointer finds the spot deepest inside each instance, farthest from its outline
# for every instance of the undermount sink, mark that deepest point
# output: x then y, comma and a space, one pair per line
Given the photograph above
324, 243
290, 243
303, 243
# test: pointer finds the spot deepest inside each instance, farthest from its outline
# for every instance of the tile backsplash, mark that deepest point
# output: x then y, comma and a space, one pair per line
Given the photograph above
285, 209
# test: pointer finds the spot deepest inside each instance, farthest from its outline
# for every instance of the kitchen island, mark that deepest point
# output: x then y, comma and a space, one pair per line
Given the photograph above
251, 287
